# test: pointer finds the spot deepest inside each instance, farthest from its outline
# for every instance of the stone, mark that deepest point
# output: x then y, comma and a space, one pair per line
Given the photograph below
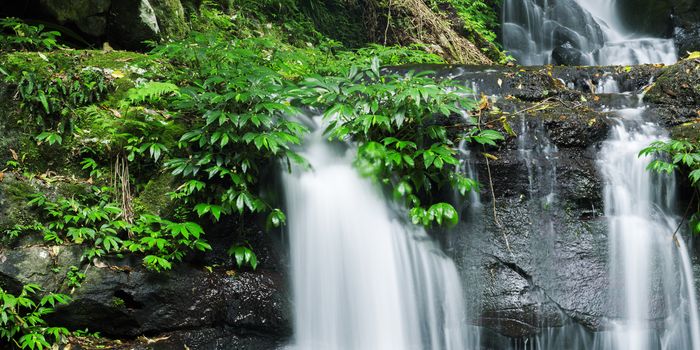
74, 10
93, 25
119, 298
678, 85
567, 55
131, 22
170, 15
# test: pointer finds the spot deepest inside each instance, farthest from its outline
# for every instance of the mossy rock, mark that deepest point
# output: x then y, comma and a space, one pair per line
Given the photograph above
171, 18
13, 202
678, 84
154, 199
689, 131
15, 190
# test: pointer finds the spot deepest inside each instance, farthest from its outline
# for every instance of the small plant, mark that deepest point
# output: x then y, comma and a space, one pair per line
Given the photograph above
22, 321
51, 101
244, 256
24, 37
74, 277
681, 156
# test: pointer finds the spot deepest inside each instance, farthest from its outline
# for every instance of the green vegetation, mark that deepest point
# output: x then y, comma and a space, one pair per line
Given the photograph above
401, 132
219, 117
140, 154
682, 156
481, 23
22, 321
21, 36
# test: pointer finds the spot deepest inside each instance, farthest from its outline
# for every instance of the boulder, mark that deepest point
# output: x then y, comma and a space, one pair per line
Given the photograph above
170, 15
676, 93
88, 15
121, 299
567, 55
131, 22
125, 23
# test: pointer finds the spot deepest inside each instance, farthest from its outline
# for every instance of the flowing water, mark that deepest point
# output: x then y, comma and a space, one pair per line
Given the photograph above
650, 272
362, 278
583, 32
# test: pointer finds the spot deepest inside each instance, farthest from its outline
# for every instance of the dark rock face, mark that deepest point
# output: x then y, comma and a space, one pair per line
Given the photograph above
679, 19
567, 55
678, 85
202, 309
541, 265
132, 22
124, 23
676, 98
686, 23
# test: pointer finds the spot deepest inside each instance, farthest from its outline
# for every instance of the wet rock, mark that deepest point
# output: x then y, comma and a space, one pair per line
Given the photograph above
219, 338
46, 266
537, 83
686, 23
689, 130
678, 85
131, 22
567, 55
122, 299
675, 96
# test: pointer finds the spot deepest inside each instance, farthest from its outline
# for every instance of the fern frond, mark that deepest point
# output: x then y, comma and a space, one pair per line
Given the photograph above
151, 91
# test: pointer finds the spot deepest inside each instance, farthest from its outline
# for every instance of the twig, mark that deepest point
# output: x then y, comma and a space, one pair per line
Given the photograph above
684, 218
533, 106
493, 193
493, 202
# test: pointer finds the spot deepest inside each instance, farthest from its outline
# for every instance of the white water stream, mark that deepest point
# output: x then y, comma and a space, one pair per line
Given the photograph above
362, 278
532, 29
651, 278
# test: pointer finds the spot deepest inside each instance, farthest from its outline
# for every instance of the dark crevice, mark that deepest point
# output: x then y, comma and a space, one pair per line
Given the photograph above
129, 301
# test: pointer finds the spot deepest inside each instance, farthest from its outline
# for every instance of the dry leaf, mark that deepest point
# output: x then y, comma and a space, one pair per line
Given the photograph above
115, 112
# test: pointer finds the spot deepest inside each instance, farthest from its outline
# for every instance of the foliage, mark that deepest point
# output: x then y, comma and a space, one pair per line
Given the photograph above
75, 277
236, 105
399, 124
99, 226
244, 256
21, 36
682, 156
223, 116
387, 55
51, 102
22, 318
478, 16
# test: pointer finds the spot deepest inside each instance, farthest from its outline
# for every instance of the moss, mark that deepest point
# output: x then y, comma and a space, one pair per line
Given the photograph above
677, 84
154, 199
13, 202
171, 18
688, 131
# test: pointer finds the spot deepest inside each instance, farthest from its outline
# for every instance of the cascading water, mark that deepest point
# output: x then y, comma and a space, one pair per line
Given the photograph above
578, 32
362, 279
650, 272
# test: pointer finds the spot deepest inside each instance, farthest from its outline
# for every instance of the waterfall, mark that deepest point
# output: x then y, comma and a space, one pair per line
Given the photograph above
362, 278
576, 32
651, 279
